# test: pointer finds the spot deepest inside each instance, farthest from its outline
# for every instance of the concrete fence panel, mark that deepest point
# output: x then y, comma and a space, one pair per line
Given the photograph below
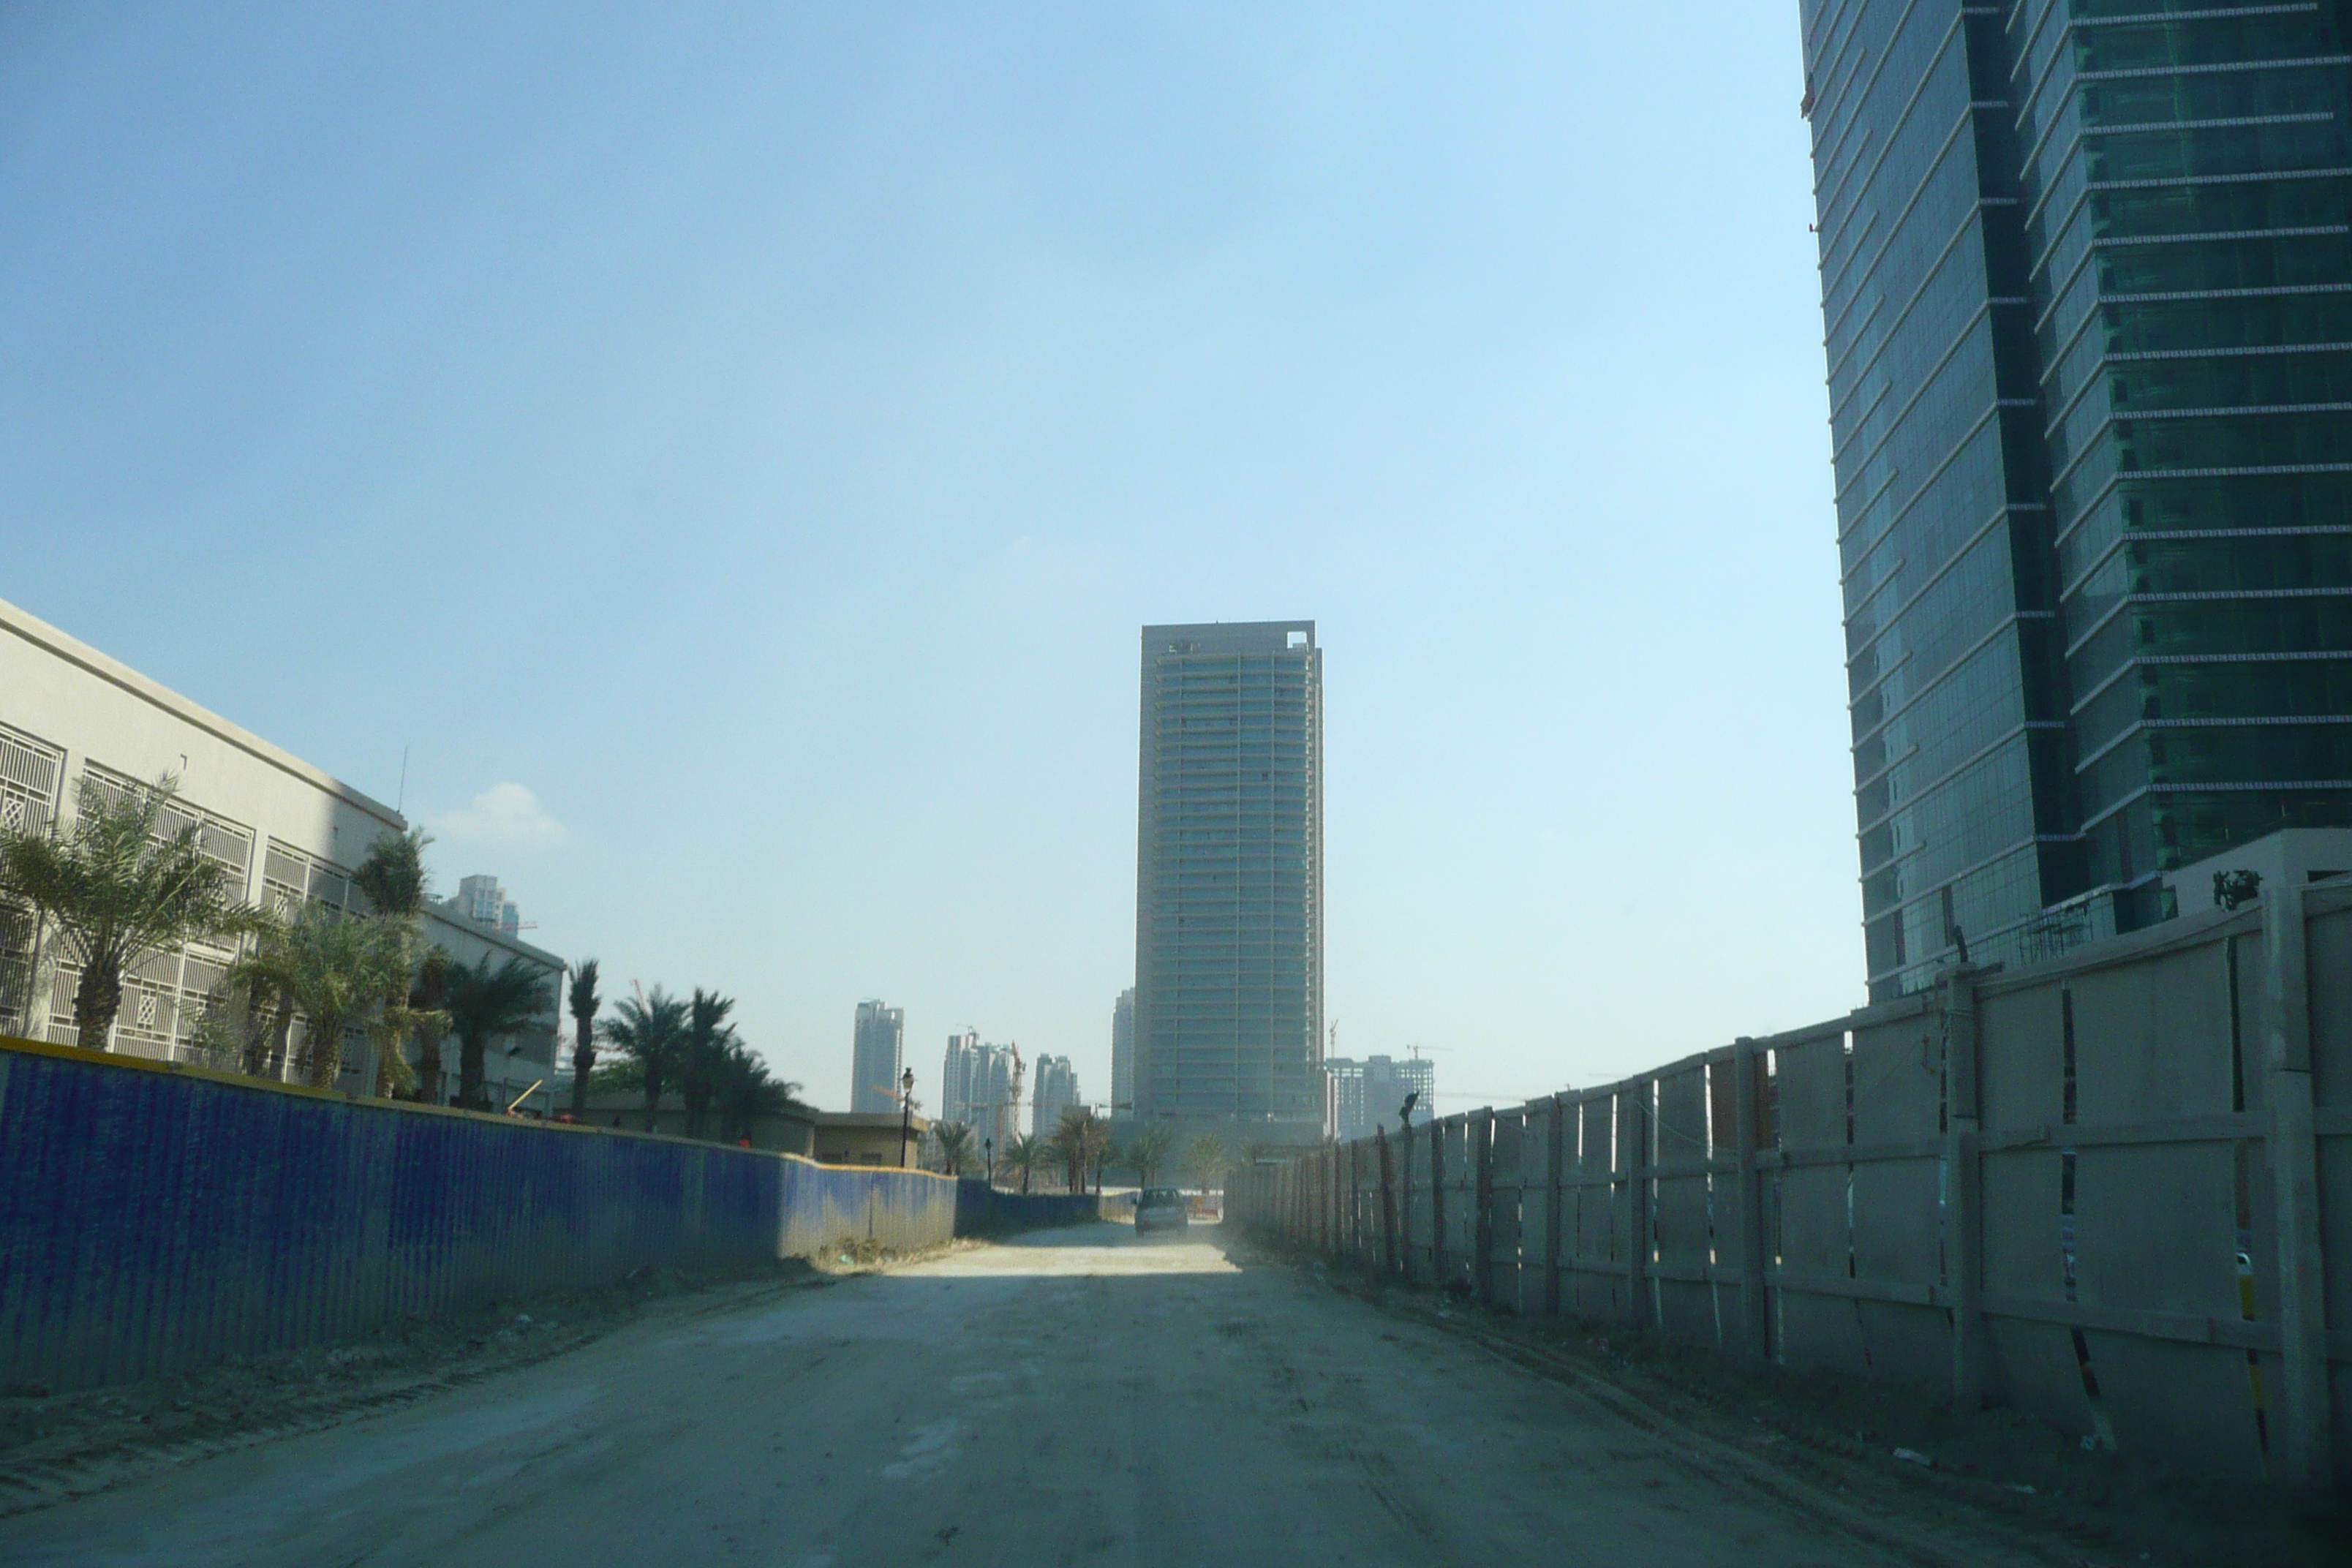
1598, 1269
2022, 1051
2148, 1154
1899, 1235
1681, 1269
2115, 1191
2330, 955
1506, 1200
1821, 1319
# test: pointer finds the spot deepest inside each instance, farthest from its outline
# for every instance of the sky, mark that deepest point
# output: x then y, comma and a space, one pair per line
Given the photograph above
710, 465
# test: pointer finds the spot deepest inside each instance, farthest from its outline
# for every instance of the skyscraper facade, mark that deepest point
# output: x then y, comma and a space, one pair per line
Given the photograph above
1056, 1090
1229, 880
877, 1053
2087, 288
1122, 1056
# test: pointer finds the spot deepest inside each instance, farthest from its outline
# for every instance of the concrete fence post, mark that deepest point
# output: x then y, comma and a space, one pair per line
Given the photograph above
1748, 1114
2291, 1145
1333, 1206
1346, 1239
1388, 1202
1555, 1195
1404, 1209
1481, 1127
1964, 1176
1634, 1163
1437, 1202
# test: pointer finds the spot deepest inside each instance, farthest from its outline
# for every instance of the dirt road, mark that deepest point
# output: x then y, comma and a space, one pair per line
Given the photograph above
1068, 1398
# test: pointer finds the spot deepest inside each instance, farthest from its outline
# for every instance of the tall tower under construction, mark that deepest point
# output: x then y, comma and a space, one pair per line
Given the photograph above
1229, 882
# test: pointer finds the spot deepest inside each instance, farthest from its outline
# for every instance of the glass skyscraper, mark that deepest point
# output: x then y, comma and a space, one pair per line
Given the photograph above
2089, 326
1229, 882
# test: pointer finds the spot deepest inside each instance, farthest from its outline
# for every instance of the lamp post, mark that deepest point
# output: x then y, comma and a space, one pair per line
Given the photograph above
906, 1113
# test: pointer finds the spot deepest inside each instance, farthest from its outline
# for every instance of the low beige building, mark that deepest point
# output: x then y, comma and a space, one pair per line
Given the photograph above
286, 833
828, 1137
868, 1138
791, 1130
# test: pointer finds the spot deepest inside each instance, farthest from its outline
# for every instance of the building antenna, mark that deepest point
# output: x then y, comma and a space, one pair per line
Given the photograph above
402, 799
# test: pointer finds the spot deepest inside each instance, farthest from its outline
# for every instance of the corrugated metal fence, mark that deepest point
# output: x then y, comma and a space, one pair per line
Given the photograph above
155, 1217
2115, 1191
984, 1210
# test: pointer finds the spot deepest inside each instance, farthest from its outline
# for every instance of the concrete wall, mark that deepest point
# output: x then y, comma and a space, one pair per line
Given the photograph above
2115, 1191
155, 1217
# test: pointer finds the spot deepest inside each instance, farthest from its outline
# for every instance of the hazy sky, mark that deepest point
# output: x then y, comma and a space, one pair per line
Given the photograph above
733, 451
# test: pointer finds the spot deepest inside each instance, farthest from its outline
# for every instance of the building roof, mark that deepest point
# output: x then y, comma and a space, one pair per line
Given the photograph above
875, 1120
114, 672
626, 1100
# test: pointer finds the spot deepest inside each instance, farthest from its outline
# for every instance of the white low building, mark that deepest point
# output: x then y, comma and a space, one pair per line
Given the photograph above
285, 831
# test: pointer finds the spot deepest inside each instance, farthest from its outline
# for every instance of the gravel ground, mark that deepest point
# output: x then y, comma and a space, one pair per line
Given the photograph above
56, 1448
1905, 1451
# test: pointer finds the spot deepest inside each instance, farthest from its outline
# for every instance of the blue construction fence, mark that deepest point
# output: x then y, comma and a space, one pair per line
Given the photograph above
157, 1218
984, 1210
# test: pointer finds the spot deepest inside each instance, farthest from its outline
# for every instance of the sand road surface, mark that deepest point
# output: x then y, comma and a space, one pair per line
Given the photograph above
1077, 1397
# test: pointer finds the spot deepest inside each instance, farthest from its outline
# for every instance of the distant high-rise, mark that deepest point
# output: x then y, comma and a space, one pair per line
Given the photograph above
483, 901
1369, 1093
1122, 1056
2083, 280
877, 1053
976, 1086
1056, 1092
1229, 881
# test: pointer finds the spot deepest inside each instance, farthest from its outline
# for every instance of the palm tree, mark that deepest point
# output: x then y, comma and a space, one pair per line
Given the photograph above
1206, 1157
119, 890
745, 1092
428, 1001
583, 1039
955, 1145
1082, 1142
650, 1032
485, 1002
1147, 1151
334, 971
393, 876
703, 1056
1025, 1154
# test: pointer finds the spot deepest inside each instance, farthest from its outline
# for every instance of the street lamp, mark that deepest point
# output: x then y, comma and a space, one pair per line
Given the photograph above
906, 1113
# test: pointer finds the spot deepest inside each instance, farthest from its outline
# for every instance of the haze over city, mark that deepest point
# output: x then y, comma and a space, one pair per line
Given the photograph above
1156, 786
728, 454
